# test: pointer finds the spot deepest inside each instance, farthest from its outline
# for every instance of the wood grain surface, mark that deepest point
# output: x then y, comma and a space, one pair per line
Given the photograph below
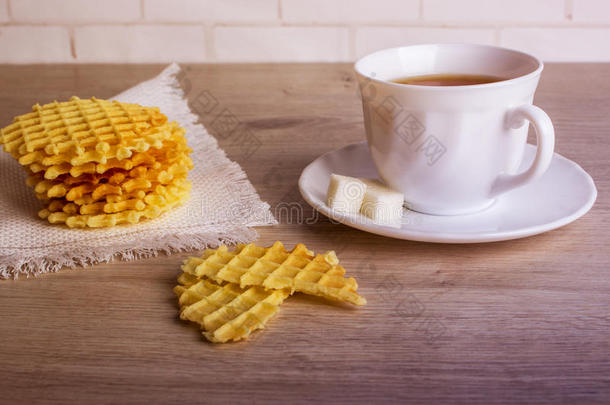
523, 321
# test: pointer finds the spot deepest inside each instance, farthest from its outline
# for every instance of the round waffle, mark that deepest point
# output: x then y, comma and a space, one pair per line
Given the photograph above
96, 163
174, 144
114, 181
101, 214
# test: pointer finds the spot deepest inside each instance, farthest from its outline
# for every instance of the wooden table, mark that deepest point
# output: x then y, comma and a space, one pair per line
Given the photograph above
517, 321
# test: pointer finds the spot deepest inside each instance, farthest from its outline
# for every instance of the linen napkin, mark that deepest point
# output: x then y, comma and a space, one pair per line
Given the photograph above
222, 209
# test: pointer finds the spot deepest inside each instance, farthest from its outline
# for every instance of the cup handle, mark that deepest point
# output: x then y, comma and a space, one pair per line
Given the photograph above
545, 138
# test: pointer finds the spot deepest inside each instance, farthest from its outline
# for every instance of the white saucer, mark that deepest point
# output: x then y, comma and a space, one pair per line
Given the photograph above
564, 193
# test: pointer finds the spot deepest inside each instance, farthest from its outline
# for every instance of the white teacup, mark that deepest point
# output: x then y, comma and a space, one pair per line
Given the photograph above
453, 149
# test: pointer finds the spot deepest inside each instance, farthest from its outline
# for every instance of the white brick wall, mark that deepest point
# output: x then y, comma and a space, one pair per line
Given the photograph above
350, 11
3, 10
147, 43
494, 11
34, 44
592, 11
211, 11
145, 31
70, 11
560, 44
281, 44
369, 39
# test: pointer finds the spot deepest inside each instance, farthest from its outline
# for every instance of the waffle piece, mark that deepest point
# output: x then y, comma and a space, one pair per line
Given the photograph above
186, 280
154, 203
298, 270
226, 313
80, 131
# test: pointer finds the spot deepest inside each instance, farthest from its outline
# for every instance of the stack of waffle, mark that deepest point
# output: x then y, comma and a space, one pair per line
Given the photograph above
96, 163
232, 293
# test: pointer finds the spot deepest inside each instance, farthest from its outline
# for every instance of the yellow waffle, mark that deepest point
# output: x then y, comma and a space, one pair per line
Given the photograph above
172, 148
227, 313
97, 163
160, 166
186, 280
103, 151
162, 199
80, 131
298, 270
87, 199
112, 203
113, 181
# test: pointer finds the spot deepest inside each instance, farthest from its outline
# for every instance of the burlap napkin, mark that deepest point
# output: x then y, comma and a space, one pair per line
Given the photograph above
223, 205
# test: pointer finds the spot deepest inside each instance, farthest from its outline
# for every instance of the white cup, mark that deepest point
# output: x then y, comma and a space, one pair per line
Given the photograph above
453, 149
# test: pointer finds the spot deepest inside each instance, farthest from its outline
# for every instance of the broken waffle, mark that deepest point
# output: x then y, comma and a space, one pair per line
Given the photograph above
274, 267
96, 163
231, 294
227, 312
